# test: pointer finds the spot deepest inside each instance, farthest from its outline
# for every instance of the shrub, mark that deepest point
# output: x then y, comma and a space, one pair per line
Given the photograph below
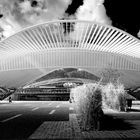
88, 100
114, 96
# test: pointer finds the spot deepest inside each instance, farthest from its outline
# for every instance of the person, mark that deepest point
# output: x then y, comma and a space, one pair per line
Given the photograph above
71, 100
10, 99
129, 103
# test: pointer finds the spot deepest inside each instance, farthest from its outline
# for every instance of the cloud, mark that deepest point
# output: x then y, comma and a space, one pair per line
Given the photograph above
23, 13
93, 10
7, 29
7, 21
138, 34
43, 11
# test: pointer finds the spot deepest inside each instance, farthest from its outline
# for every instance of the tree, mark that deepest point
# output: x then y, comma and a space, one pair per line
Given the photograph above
110, 75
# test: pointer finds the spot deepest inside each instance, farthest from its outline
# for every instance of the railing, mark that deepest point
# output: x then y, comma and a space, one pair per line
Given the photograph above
44, 91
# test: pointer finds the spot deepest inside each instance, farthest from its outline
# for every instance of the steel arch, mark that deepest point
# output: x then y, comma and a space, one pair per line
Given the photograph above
70, 43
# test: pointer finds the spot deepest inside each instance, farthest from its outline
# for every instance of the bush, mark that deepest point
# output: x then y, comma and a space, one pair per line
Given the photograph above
114, 96
88, 99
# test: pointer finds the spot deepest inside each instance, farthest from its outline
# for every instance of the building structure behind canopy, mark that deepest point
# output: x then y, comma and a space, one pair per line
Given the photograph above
40, 49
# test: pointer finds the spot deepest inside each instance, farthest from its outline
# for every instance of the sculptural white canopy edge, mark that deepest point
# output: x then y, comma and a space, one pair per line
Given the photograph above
67, 43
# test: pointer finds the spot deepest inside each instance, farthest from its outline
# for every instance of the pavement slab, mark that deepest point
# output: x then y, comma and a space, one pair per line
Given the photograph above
71, 130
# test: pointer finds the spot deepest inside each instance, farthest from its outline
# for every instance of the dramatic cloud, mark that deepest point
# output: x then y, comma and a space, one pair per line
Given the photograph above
93, 10
40, 10
138, 34
18, 14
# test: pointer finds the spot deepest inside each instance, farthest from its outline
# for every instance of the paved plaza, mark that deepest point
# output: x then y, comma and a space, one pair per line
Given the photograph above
57, 120
71, 130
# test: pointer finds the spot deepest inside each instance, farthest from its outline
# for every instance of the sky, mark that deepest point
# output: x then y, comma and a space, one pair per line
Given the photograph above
18, 14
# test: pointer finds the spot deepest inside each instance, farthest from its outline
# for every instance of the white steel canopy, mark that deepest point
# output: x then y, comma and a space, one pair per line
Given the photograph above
39, 49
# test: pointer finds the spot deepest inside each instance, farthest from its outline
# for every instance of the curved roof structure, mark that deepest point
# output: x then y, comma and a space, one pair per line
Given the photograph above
37, 50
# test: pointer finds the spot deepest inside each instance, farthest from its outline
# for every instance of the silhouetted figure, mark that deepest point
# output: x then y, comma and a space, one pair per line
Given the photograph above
10, 99
129, 103
71, 100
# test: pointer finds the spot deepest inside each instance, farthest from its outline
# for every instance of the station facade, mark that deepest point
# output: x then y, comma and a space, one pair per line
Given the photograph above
40, 49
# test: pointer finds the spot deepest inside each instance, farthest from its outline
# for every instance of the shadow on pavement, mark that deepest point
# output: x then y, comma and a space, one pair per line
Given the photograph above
133, 110
4, 103
111, 123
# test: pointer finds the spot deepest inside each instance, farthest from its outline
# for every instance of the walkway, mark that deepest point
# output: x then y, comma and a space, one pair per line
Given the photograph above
117, 125
57, 120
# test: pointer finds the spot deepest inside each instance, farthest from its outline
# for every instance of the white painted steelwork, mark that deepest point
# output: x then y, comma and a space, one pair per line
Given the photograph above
69, 43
